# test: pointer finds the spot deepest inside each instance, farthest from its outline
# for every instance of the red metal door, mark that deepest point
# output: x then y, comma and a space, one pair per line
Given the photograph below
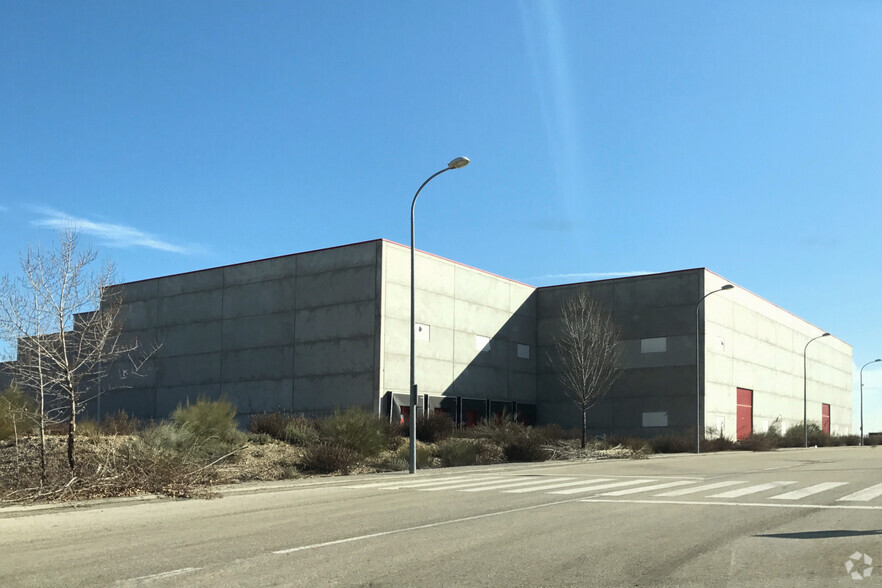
825, 418
744, 414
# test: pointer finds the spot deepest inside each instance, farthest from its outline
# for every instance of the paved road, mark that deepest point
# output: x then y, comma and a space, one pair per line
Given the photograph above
787, 518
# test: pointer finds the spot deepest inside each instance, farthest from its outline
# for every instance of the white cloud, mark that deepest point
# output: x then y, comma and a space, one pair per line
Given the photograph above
110, 234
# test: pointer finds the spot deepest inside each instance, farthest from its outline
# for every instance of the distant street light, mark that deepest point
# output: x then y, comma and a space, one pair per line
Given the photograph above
457, 163
698, 369
862, 397
805, 388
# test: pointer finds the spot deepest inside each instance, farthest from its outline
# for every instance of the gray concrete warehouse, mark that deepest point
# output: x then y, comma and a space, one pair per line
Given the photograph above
314, 331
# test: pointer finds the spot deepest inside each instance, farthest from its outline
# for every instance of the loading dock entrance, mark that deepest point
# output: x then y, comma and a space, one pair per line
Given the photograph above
825, 418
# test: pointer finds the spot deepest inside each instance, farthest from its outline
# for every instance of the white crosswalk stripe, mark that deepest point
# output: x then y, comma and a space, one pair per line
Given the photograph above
554, 486
625, 487
407, 484
457, 486
751, 490
696, 489
803, 492
648, 488
595, 487
499, 486
864, 495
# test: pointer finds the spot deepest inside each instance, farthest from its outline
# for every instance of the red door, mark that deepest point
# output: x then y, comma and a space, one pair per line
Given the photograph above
825, 418
744, 414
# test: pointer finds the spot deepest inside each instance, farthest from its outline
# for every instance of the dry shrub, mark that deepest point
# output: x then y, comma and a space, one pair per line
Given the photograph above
301, 432
672, 443
270, 423
527, 448
434, 427
363, 433
120, 423
458, 451
328, 458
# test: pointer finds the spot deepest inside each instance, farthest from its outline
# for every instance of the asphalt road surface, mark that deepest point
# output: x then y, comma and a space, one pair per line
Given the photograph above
789, 518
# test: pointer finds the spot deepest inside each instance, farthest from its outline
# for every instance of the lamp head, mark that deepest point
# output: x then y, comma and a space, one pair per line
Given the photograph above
458, 163
825, 335
727, 287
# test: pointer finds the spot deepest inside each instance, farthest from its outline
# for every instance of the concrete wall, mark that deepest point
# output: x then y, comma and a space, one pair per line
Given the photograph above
752, 344
456, 306
653, 308
296, 333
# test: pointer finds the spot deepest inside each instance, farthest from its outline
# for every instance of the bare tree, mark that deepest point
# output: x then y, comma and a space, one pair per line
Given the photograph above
587, 352
65, 320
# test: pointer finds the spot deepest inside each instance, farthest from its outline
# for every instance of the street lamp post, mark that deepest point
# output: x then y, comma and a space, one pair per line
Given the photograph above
805, 388
862, 397
457, 163
698, 368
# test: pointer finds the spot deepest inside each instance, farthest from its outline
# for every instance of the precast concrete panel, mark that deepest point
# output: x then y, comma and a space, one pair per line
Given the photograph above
480, 319
475, 381
338, 287
205, 305
278, 268
139, 403
656, 290
341, 321
321, 394
650, 322
138, 291
260, 395
338, 258
139, 314
433, 376
188, 339
266, 330
334, 357
522, 387
396, 301
434, 309
212, 279
264, 363
259, 298
479, 288
184, 370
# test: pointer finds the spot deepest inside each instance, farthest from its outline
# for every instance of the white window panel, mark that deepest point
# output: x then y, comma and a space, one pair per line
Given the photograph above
482, 343
421, 332
654, 345
523, 351
655, 419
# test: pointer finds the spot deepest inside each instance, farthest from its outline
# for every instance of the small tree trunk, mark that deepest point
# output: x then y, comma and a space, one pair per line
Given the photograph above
42, 449
71, 431
584, 426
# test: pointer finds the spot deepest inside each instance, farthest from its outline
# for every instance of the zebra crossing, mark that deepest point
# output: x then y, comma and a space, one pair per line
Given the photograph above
778, 491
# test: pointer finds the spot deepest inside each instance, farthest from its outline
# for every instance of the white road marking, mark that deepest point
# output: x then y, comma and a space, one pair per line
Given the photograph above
712, 503
412, 484
419, 527
696, 489
803, 492
498, 486
161, 576
647, 488
595, 487
865, 494
552, 486
751, 490
457, 486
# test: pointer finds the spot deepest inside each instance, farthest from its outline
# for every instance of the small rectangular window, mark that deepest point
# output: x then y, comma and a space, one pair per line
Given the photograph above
421, 332
523, 351
655, 419
654, 345
482, 343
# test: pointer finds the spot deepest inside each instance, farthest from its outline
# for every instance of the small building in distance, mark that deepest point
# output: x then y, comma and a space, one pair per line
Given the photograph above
316, 331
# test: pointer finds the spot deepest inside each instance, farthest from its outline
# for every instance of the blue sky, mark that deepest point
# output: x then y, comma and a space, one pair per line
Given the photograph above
605, 138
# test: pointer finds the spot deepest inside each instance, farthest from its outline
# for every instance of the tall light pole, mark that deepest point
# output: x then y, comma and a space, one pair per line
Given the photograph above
862, 397
698, 368
457, 163
805, 388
